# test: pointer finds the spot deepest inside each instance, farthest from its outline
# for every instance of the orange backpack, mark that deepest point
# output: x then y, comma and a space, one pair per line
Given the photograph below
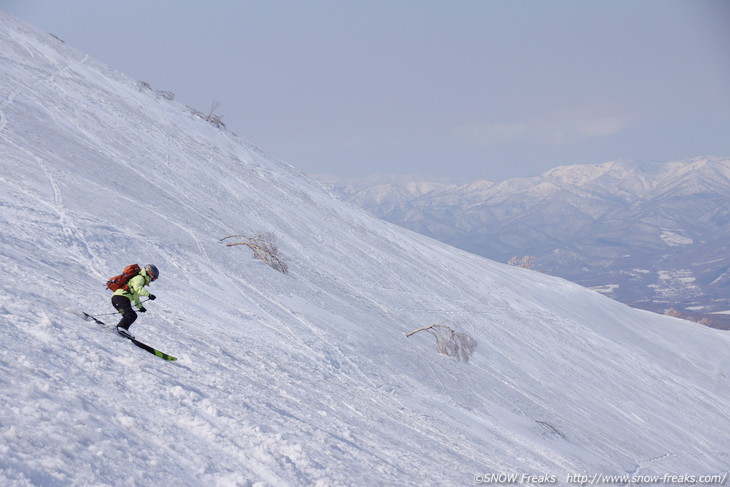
121, 280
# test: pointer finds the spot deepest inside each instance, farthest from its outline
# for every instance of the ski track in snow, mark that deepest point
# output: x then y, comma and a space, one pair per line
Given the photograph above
300, 379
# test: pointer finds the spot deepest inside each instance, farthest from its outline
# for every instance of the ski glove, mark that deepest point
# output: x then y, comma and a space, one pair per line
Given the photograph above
152, 297
142, 310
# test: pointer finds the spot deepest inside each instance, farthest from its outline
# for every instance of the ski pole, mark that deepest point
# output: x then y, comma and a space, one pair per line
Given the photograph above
117, 312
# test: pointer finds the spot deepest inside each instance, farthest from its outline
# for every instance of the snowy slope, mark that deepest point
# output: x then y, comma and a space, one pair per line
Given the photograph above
299, 379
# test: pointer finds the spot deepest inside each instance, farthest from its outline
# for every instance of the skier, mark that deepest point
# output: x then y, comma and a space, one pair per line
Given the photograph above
122, 299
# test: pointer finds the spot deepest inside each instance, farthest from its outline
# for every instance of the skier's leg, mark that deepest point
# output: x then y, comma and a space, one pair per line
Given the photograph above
124, 306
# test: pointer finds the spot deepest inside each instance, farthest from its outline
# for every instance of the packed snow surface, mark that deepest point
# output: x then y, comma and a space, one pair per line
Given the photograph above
304, 378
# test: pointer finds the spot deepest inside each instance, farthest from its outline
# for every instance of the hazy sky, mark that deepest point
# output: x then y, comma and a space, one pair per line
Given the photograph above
456, 88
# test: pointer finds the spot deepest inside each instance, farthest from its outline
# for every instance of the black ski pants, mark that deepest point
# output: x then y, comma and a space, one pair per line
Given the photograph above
124, 306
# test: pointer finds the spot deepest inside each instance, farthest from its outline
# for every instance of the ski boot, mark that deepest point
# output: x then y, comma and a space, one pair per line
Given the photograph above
124, 332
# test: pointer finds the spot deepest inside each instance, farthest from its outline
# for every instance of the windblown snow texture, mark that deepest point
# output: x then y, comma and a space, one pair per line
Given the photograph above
298, 379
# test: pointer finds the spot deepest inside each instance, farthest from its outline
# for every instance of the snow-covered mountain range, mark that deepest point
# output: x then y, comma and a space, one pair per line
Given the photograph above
654, 236
305, 378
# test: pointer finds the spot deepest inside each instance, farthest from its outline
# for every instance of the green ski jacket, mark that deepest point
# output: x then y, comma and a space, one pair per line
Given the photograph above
136, 288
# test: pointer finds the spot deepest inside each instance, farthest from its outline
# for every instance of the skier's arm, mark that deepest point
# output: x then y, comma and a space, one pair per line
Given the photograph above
136, 286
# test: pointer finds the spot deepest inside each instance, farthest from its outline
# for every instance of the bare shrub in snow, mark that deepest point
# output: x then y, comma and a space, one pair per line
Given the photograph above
450, 342
264, 249
167, 95
212, 117
673, 312
525, 262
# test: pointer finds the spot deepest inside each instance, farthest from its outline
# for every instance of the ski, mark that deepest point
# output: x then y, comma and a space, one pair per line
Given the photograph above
152, 350
141, 345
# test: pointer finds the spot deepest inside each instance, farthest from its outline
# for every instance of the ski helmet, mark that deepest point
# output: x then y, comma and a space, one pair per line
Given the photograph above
152, 272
